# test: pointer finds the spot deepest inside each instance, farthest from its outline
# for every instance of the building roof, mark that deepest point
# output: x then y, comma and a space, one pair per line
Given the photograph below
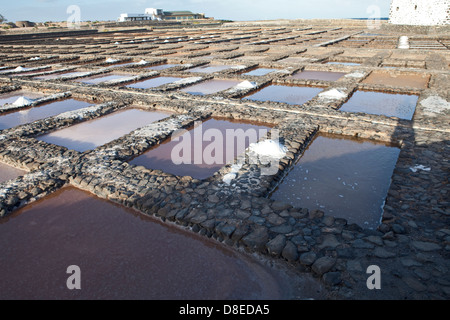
179, 13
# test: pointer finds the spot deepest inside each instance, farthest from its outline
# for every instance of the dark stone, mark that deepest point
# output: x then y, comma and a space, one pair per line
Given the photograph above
280, 206
323, 265
398, 229
257, 239
425, 246
308, 258
276, 245
332, 278
347, 253
316, 214
361, 244
290, 252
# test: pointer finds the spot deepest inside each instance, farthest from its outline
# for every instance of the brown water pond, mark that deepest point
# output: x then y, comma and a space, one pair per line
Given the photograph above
210, 87
419, 81
259, 72
153, 83
209, 68
202, 150
392, 105
11, 97
8, 172
343, 177
286, 94
91, 134
42, 111
123, 254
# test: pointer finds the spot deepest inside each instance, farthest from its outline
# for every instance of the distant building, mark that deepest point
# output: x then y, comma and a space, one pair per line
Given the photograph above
159, 14
420, 12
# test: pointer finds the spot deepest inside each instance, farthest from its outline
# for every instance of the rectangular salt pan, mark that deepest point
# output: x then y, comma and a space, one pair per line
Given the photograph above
91, 134
194, 157
30, 114
401, 106
345, 178
294, 95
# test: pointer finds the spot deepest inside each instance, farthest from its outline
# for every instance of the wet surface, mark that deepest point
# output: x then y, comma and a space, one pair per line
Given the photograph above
318, 75
398, 80
380, 103
91, 134
153, 83
259, 72
101, 78
8, 172
209, 68
57, 75
345, 178
201, 159
162, 66
210, 87
11, 97
287, 94
123, 254
42, 111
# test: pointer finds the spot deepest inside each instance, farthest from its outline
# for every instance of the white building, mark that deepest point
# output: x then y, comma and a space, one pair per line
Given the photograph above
420, 12
159, 14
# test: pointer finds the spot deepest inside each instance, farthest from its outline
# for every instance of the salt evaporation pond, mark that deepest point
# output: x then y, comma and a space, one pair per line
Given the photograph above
91, 134
123, 254
343, 177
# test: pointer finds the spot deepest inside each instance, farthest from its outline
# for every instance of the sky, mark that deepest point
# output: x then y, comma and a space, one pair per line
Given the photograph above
237, 10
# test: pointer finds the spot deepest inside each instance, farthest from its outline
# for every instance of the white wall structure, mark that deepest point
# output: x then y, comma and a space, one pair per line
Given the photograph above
420, 12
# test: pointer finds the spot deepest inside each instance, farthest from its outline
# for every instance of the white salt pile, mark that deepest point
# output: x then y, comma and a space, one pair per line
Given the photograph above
19, 68
22, 101
246, 85
333, 94
110, 60
269, 148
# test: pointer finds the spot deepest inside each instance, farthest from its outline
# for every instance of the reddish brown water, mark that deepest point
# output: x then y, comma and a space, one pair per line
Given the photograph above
91, 134
318, 75
345, 178
209, 68
153, 83
398, 80
391, 105
210, 87
123, 254
11, 97
201, 159
101, 78
8, 172
287, 94
28, 115
259, 72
